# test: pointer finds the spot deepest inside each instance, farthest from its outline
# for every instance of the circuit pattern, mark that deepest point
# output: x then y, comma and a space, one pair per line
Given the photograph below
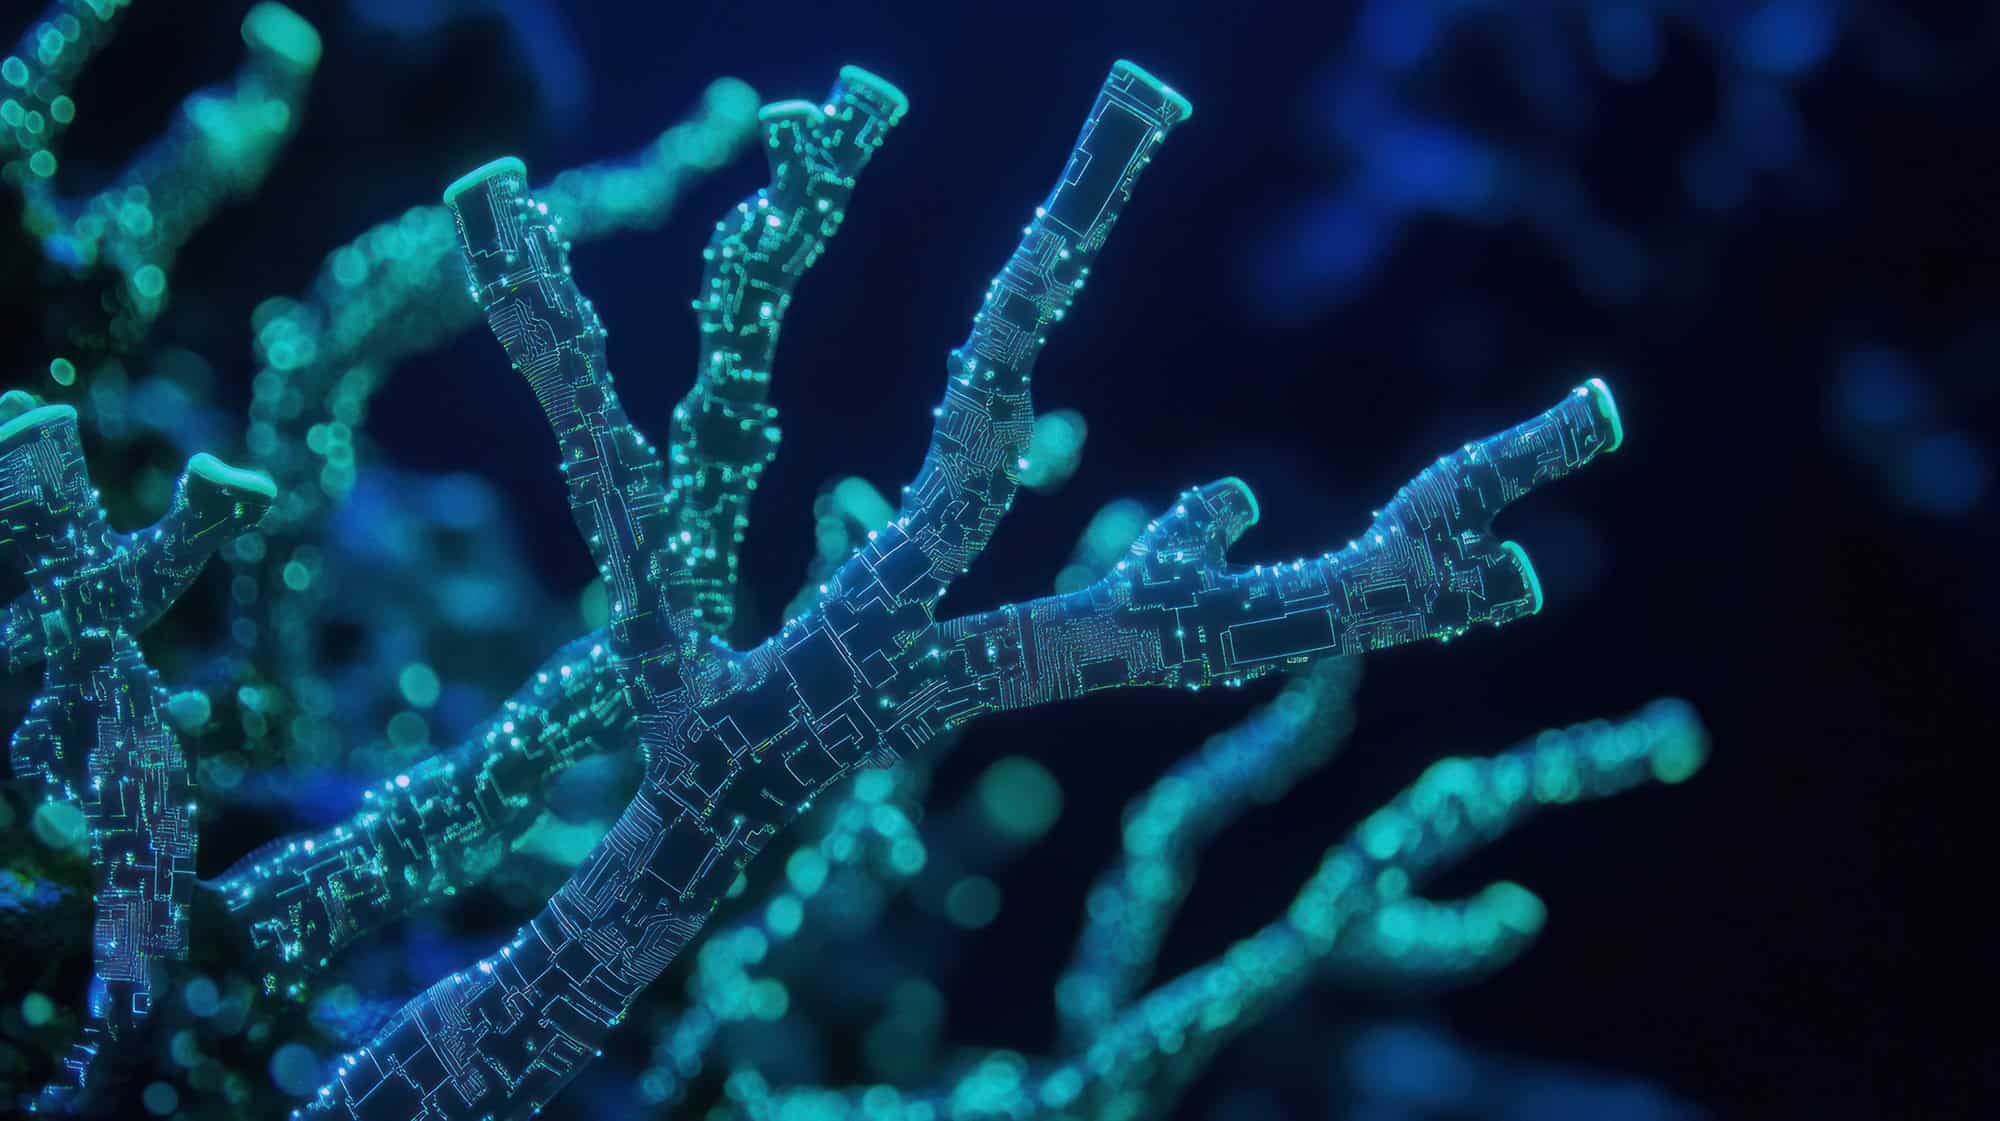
442, 823
392, 292
737, 746
99, 738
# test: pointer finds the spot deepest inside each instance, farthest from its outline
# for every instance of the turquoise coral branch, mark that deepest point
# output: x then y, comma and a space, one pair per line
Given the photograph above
1132, 904
736, 747
305, 898
707, 807
221, 144
724, 431
391, 293
98, 742
1356, 910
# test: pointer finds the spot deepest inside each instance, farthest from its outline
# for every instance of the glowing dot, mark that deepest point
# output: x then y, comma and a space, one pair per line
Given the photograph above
295, 1069
59, 825
419, 684
161, 1099
784, 915
150, 281
972, 902
37, 1009
407, 729
1019, 798
201, 997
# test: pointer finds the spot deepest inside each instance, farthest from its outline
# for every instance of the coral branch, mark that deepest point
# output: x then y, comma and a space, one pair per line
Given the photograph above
721, 779
520, 275
1356, 905
165, 557
97, 741
303, 899
979, 441
393, 292
1132, 904
737, 746
724, 431
428, 832
1176, 613
221, 144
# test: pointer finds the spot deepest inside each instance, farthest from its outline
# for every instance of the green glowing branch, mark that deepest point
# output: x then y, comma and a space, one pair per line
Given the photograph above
724, 431
220, 146
1355, 912
1132, 904
428, 832
1177, 613
39, 75
982, 432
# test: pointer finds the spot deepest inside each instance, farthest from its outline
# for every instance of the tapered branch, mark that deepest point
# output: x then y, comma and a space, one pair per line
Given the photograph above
518, 268
432, 830
979, 441
303, 899
733, 753
725, 432
394, 291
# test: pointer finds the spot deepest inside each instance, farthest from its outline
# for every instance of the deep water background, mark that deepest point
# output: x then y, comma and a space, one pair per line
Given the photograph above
1319, 287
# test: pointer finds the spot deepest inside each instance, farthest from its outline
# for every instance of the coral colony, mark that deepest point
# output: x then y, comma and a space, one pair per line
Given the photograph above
220, 996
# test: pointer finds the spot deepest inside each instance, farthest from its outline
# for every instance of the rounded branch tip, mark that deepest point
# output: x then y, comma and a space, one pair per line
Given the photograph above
732, 99
792, 109
35, 418
1145, 77
283, 32
1529, 576
189, 710
883, 88
206, 466
17, 401
1249, 498
1607, 407
1517, 908
1681, 742
505, 165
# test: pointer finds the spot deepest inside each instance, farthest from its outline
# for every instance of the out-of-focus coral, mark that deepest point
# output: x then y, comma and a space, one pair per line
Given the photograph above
1494, 116
106, 259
